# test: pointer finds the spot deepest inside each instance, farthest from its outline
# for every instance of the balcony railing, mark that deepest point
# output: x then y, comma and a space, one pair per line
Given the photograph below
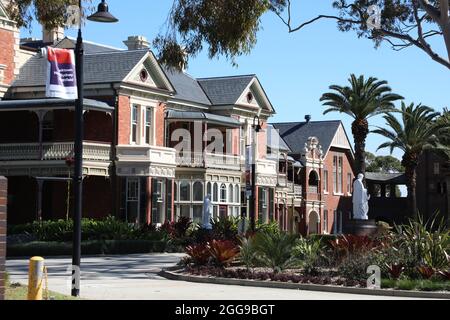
297, 189
53, 151
208, 160
282, 180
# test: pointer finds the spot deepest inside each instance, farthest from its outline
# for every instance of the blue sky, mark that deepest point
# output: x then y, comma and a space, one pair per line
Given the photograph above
295, 69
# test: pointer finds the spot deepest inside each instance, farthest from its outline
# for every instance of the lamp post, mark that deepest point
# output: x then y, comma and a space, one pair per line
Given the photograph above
256, 129
102, 15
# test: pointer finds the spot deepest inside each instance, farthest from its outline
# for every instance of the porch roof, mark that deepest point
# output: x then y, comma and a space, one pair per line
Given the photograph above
386, 178
173, 115
52, 104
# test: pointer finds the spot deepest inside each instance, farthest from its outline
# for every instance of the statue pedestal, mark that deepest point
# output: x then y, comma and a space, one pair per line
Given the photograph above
361, 227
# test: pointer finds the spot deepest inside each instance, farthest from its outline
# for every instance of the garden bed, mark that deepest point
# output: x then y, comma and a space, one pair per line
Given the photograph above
181, 274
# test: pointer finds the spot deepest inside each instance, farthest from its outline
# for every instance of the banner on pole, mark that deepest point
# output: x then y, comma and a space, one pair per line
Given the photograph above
61, 75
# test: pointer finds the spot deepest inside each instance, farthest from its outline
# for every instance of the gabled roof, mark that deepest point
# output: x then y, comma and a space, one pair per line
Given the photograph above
98, 68
3, 13
67, 43
274, 140
296, 134
187, 88
225, 90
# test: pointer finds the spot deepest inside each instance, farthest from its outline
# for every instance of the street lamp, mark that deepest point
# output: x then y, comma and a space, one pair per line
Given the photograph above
102, 15
257, 128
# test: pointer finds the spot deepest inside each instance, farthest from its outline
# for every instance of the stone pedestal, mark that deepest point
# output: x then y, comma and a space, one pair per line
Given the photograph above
361, 227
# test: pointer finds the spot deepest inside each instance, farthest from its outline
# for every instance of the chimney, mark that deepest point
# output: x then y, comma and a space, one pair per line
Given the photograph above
52, 36
137, 43
308, 118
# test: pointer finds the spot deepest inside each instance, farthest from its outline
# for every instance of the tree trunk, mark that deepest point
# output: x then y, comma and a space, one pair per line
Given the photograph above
411, 179
360, 130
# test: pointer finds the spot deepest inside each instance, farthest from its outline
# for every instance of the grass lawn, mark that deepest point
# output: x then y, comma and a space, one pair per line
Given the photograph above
16, 291
420, 285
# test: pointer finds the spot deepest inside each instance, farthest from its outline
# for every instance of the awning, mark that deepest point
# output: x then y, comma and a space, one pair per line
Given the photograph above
298, 164
173, 115
53, 104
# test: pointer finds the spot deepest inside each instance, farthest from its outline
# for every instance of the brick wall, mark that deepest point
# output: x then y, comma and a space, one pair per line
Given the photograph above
3, 197
124, 116
334, 202
7, 42
159, 123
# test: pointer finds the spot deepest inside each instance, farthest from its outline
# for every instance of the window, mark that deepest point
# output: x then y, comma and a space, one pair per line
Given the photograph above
335, 189
185, 191
325, 181
185, 211
349, 183
158, 201
198, 191
134, 124
197, 214
335, 223
242, 141
340, 174
133, 200
223, 193
436, 168
237, 193
325, 221
175, 192
209, 189
231, 194
216, 193
338, 164
47, 127
148, 125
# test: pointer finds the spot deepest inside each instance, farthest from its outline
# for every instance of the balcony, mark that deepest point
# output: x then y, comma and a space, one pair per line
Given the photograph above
145, 160
266, 173
282, 180
53, 152
296, 189
208, 161
36, 159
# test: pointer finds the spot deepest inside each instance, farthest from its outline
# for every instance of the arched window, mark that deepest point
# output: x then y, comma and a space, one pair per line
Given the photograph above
313, 182
216, 193
209, 189
223, 193
197, 191
237, 193
231, 194
185, 191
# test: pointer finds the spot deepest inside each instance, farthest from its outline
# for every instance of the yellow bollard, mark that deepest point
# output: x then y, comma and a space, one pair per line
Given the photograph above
35, 278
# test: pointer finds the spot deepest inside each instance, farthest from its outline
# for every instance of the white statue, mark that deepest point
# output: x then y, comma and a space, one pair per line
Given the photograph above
207, 213
360, 199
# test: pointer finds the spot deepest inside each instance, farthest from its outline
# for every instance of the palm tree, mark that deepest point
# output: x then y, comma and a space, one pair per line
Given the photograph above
362, 100
418, 130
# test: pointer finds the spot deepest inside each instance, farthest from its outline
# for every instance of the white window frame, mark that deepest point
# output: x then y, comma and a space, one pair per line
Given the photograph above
135, 122
138, 199
151, 140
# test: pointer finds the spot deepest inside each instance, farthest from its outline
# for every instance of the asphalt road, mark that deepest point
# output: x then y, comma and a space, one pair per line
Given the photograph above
134, 277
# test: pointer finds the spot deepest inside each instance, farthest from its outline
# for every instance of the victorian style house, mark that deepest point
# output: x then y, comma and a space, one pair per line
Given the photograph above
158, 141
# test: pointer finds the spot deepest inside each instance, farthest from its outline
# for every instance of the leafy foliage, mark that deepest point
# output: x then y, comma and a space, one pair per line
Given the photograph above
223, 252
275, 250
199, 253
225, 228
247, 252
395, 270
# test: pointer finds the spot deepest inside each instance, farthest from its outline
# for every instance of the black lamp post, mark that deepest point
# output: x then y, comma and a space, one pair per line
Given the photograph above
102, 15
257, 128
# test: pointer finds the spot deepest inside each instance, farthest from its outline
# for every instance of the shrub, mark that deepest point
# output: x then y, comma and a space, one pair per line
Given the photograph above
426, 272
445, 275
247, 252
347, 245
275, 250
354, 267
310, 253
223, 252
271, 228
395, 270
225, 228
199, 254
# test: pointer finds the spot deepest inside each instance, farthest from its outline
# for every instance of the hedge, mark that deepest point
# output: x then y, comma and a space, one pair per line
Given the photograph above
107, 247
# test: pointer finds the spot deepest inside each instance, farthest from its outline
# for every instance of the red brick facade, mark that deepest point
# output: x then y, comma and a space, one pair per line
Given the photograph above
341, 203
3, 200
159, 124
124, 120
7, 55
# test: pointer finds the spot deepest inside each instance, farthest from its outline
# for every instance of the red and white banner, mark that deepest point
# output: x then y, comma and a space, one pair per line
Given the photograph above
61, 74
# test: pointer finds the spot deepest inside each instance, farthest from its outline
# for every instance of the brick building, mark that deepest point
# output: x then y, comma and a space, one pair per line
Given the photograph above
319, 175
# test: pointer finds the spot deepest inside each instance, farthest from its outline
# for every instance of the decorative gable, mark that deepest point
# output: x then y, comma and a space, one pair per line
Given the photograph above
3, 12
255, 96
148, 73
340, 139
